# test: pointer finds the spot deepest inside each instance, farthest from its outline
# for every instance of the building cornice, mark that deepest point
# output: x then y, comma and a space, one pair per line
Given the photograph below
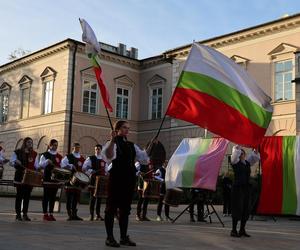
276, 26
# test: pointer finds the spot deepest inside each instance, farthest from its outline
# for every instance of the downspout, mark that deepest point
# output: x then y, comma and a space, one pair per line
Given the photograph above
72, 98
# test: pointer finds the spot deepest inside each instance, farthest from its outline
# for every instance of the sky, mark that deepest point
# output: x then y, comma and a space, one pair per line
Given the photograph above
152, 26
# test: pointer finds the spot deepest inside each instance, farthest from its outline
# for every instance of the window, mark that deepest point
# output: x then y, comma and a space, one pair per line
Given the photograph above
156, 103
48, 96
25, 99
122, 103
89, 98
4, 98
284, 88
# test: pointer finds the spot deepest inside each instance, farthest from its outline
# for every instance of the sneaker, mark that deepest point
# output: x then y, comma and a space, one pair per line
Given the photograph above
91, 218
52, 217
76, 217
26, 218
18, 217
234, 233
168, 218
159, 218
138, 218
127, 242
111, 242
242, 233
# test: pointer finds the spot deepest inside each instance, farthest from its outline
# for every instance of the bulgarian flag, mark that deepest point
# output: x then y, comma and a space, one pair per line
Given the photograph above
93, 51
216, 93
280, 158
196, 163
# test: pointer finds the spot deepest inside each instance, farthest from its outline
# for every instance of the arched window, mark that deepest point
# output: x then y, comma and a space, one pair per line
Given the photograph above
4, 101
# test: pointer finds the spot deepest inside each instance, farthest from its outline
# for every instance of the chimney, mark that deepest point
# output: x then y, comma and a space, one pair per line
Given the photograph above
122, 49
134, 53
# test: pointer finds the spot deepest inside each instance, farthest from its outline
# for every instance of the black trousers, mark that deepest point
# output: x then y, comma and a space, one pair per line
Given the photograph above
94, 200
73, 198
160, 205
142, 204
226, 202
23, 195
49, 199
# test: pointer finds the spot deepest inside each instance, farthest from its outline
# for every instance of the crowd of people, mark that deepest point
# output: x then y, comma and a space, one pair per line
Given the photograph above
122, 163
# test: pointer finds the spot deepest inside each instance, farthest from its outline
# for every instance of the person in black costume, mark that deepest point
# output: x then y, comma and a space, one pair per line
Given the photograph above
227, 185
198, 198
122, 178
241, 188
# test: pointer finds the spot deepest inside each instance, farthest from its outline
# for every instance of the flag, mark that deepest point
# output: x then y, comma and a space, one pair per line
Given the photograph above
92, 50
196, 163
280, 190
216, 93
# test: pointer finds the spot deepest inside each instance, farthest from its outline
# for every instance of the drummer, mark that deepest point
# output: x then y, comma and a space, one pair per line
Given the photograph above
49, 160
73, 162
94, 166
21, 159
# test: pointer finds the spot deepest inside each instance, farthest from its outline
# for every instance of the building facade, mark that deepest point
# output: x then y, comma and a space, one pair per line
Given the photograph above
53, 93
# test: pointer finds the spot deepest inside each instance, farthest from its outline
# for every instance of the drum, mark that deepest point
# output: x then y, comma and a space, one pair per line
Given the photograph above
32, 178
61, 175
151, 189
80, 180
173, 197
101, 187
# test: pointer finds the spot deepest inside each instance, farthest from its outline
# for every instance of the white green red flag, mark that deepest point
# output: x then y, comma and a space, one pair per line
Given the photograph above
196, 163
280, 189
93, 50
216, 93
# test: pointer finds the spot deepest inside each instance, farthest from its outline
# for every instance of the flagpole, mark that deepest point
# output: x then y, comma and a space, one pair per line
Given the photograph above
111, 126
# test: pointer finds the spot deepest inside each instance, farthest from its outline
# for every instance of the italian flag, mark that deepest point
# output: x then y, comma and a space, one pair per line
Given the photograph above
196, 163
280, 158
216, 93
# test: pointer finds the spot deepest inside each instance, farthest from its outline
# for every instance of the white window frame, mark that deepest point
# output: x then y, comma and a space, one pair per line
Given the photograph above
274, 80
91, 81
46, 108
25, 83
151, 87
129, 89
5, 88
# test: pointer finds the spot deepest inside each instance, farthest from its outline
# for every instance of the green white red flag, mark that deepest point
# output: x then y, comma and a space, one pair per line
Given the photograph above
93, 51
280, 189
219, 95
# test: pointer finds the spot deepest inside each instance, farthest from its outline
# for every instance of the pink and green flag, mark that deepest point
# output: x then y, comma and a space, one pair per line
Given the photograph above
216, 93
196, 163
280, 190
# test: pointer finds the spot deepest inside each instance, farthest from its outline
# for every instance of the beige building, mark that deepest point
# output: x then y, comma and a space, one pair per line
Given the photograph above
52, 93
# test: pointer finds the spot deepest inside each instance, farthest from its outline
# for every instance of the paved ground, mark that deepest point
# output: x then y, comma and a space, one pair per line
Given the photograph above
182, 235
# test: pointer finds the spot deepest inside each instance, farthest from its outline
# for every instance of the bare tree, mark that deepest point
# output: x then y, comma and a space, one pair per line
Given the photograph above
17, 54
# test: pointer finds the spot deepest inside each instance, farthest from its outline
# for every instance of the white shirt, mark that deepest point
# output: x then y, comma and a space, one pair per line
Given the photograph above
2, 155
87, 165
141, 155
252, 157
43, 161
65, 161
158, 175
14, 157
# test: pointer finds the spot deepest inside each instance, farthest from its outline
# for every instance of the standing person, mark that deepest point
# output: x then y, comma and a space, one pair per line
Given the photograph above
142, 204
73, 162
198, 198
49, 160
94, 166
160, 175
227, 185
157, 153
241, 188
121, 184
21, 159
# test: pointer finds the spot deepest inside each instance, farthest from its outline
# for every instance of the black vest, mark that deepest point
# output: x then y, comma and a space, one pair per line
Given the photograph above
123, 165
241, 173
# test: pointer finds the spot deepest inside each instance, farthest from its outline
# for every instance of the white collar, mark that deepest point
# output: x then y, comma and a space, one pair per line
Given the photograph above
99, 157
77, 155
52, 152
